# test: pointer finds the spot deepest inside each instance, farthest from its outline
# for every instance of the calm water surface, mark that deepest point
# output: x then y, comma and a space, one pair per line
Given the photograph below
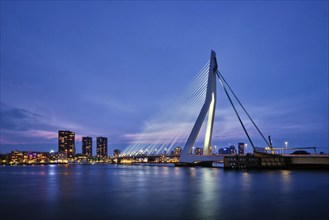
152, 192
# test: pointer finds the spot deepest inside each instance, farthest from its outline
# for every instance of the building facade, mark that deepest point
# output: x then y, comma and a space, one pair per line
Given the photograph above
177, 151
87, 146
66, 143
232, 149
198, 151
241, 148
116, 153
101, 147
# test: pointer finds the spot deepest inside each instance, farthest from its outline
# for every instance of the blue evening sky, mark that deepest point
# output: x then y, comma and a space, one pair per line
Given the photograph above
105, 68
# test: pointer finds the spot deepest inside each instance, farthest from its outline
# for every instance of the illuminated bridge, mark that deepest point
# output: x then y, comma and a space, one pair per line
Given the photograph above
175, 131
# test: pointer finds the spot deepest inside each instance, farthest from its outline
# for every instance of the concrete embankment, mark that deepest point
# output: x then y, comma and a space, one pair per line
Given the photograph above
277, 162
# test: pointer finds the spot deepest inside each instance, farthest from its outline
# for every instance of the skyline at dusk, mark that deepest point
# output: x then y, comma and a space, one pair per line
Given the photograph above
111, 68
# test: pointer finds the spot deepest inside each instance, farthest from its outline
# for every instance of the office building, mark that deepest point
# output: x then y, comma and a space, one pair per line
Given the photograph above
66, 143
87, 146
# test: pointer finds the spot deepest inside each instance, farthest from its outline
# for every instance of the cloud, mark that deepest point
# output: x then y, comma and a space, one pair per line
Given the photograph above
277, 118
282, 119
161, 133
41, 134
113, 104
18, 119
6, 141
23, 136
20, 125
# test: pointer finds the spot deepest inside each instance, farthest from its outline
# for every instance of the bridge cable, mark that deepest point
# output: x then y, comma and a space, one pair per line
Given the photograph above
169, 132
236, 112
219, 74
170, 127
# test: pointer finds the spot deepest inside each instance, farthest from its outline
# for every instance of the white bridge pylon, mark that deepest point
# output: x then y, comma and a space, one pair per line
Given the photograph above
209, 107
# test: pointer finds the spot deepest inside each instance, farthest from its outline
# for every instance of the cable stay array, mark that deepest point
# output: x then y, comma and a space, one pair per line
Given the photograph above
224, 84
172, 127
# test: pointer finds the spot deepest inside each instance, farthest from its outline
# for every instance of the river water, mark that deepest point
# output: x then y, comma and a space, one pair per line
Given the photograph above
160, 192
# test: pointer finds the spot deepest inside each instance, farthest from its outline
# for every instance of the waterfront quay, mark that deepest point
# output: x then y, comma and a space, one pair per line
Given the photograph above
44, 158
226, 161
254, 161
35, 158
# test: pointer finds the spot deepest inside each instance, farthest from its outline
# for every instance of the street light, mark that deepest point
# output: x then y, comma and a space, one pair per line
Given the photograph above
286, 143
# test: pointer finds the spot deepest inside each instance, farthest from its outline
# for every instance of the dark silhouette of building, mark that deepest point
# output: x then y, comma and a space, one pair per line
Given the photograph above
66, 143
232, 149
198, 151
87, 146
241, 148
177, 151
116, 152
101, 147
224, 150
227, 150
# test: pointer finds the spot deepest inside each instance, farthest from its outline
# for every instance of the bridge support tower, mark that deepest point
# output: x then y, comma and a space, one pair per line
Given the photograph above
208, 107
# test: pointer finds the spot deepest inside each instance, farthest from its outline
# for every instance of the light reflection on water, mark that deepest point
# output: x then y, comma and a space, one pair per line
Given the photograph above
132, 192
208, 202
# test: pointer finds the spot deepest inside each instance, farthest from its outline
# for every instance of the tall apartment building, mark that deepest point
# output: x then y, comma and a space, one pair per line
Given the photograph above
87, 146
101, 147
66, 143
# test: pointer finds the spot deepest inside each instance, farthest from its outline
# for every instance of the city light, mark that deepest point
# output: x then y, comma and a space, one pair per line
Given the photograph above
286, 143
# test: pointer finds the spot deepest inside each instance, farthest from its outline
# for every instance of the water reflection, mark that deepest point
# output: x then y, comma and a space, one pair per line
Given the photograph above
246, 181
208, 201
52, 183
286, 180
135, 192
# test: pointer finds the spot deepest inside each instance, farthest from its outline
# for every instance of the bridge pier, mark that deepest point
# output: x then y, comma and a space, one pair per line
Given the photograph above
200, 160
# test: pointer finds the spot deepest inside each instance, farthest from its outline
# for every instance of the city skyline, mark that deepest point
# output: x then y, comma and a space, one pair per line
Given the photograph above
108, 68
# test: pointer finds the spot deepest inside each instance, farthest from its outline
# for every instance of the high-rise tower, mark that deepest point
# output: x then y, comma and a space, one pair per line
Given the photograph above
101, 147
87, 146
66, 143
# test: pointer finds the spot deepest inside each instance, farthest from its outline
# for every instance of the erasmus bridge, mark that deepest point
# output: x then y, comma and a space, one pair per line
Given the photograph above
180, 125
